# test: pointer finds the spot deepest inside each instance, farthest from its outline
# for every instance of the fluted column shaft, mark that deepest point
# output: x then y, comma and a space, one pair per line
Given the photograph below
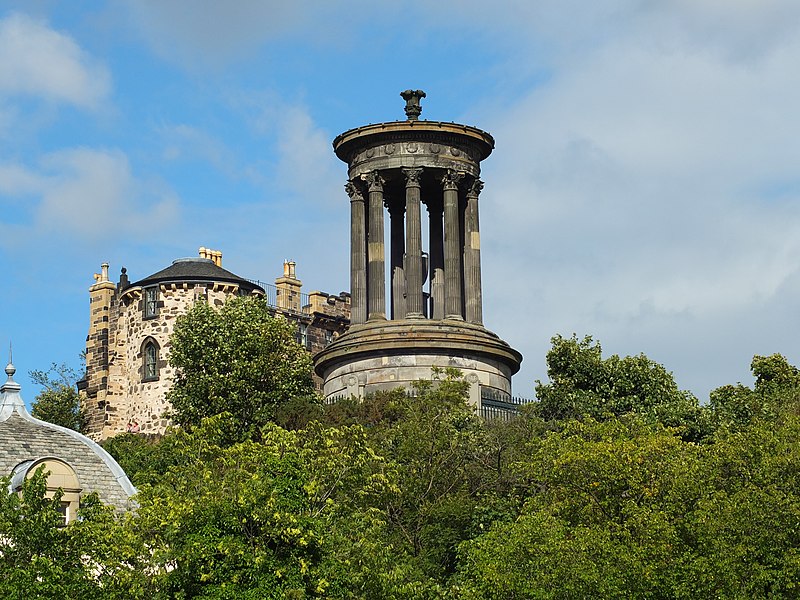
436, 259
472, 256
376, 276
397, 232
452, 247
358, 255
413, 262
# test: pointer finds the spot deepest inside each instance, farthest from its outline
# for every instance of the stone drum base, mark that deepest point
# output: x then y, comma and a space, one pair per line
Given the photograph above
383, 355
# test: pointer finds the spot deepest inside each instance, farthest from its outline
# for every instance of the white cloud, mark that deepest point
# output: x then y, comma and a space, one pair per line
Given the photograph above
632, 196
84, 194
201, 33
307, 167
38, 61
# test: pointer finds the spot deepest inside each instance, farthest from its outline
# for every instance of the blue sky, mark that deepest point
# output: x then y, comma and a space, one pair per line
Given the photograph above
644, 188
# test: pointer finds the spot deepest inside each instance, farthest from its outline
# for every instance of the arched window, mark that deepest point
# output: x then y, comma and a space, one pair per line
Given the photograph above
150, 358
60, 477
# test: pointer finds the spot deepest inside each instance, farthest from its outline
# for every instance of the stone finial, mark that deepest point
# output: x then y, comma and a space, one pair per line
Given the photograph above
123, 279
413, 108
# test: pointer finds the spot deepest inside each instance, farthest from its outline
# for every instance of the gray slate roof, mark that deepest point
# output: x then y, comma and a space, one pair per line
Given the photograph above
24, 438
196, 270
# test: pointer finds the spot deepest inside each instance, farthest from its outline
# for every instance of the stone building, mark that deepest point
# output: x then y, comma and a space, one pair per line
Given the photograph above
76, 464
127, 349
435, 315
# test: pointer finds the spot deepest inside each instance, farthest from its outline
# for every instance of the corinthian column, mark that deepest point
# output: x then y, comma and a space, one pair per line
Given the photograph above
397, 249
413, 261
358, 255
472, 255
376, 276
436, 258
452, 246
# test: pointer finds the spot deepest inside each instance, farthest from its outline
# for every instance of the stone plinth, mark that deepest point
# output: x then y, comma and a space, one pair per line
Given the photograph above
390, 354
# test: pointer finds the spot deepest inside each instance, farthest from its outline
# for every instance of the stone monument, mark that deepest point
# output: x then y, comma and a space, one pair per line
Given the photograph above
433, 274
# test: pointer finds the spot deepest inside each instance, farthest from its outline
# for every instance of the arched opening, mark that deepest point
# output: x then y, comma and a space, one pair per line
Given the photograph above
60, 476
150, 360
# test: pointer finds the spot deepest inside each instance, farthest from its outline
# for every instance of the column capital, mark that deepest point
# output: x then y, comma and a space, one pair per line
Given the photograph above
374, 181
451, 179
354, 191
474, 188
412, 176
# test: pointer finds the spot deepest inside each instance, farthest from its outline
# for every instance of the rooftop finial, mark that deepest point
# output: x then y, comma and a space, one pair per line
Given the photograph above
10, 370
413, 108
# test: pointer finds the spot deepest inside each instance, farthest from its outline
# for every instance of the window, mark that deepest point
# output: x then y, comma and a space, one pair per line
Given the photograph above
150, 302
63, 510
150, 361
302, 335
328, 336
61, 479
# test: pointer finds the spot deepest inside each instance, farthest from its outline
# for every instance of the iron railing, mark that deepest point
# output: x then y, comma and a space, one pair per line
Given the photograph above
498, 405
494, 404
271, 294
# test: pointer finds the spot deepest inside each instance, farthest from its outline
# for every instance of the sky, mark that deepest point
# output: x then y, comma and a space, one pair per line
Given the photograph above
644, 189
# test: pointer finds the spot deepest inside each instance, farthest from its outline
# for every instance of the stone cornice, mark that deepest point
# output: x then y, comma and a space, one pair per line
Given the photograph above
451, 338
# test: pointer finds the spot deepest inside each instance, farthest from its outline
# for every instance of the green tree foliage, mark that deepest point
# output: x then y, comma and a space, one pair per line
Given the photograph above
583, 383
776, 390
410, 495
97, 556
238, 359
269, 519
626, 509
58, 402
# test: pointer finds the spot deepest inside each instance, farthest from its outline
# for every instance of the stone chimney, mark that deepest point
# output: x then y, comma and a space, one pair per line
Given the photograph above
213, 255
288, 292
101, 295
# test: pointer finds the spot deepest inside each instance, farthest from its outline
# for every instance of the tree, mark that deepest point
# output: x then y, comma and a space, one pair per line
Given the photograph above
583, 383
281, 517
776, 390
97, 556
238, 359
59, 402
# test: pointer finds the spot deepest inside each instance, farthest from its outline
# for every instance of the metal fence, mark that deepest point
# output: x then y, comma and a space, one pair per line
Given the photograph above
494, 404
271, 294
498, 405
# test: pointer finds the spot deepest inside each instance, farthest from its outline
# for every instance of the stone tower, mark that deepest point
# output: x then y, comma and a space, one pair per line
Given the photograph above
433, 273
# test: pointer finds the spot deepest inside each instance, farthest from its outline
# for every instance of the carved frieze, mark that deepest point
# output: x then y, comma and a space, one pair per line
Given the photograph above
437, 153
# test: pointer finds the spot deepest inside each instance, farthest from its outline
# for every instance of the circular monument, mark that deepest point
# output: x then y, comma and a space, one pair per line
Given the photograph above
435, 314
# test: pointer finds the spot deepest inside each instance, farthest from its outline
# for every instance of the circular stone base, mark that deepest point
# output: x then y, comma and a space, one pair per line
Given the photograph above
381, 355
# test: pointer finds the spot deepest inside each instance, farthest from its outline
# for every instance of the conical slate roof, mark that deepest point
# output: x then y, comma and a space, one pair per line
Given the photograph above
24, 438
196, 270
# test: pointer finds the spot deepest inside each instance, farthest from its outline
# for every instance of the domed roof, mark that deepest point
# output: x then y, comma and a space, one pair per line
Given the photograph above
25, 439
197, 270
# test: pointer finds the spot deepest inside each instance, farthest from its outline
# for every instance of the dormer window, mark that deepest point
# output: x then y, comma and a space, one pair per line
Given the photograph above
150, 361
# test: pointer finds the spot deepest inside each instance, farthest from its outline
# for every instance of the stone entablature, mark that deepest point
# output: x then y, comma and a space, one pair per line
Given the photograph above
411, 144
